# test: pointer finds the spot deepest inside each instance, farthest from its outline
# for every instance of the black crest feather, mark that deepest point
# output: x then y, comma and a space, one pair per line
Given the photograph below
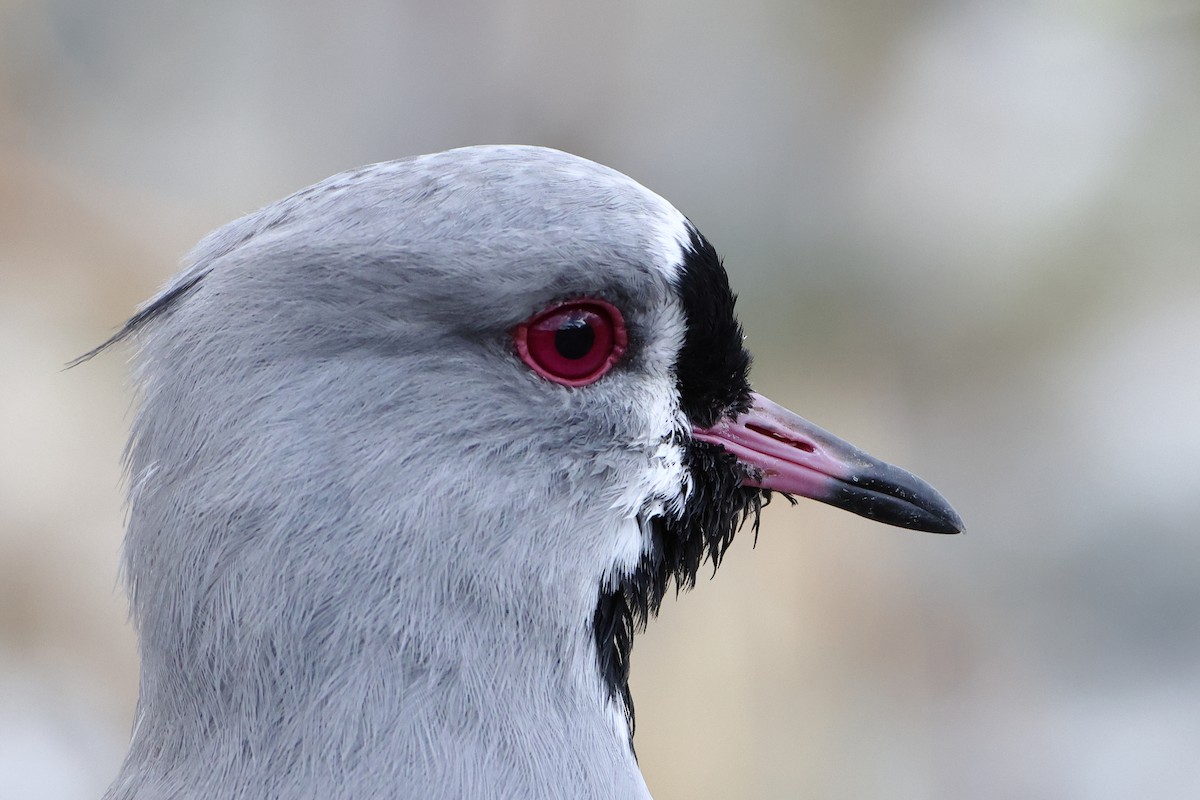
158, 306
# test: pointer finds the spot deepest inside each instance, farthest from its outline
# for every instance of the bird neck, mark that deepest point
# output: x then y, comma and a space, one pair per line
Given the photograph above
329, 688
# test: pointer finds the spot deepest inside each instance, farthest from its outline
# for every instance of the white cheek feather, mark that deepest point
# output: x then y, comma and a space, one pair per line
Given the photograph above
665, 483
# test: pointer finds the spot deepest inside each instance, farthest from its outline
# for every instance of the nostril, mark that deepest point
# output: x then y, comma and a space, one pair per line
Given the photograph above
779, 437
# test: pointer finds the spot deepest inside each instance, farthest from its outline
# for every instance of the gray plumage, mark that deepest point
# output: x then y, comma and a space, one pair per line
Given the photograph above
377, 549
358, 523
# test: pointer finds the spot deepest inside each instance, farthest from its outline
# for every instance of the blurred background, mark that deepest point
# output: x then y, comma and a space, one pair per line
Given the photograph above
966, 237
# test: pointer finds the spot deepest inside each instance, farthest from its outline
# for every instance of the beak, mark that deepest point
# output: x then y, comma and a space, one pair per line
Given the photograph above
785, 453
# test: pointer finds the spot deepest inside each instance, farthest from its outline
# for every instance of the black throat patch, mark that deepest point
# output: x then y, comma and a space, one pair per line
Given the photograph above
712, 378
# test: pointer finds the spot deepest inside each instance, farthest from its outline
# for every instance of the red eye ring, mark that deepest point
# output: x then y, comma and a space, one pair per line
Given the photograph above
574, 343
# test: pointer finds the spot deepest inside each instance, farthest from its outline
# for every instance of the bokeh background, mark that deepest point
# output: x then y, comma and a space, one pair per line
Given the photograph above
966, 236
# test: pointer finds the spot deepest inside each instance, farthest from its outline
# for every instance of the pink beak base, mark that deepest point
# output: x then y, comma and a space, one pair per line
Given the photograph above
786, 453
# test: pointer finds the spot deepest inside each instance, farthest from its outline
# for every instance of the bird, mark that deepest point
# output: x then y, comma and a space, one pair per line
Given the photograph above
417, 451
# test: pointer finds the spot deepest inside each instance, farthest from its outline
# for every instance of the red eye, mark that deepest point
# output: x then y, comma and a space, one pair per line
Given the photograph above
573, 343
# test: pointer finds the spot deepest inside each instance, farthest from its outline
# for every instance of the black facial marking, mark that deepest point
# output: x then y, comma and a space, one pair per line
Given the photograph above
712, 376
713, 364
715, 510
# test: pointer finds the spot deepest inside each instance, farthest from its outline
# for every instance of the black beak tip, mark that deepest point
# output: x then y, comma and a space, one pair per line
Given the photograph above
931, 511
948, 521
894, 496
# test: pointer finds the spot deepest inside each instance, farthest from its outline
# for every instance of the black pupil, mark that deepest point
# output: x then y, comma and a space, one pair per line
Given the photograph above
575, 338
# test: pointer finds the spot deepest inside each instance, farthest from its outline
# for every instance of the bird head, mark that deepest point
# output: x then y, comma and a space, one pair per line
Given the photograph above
495, 383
